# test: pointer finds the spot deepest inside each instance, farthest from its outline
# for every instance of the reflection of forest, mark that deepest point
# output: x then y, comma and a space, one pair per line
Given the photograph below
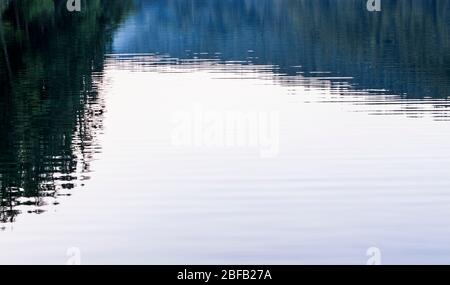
49, 108
405, 48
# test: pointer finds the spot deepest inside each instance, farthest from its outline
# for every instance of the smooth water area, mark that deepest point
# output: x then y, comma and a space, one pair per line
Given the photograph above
225, 132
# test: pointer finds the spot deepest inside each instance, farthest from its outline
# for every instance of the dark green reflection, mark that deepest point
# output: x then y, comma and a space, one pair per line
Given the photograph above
49, 108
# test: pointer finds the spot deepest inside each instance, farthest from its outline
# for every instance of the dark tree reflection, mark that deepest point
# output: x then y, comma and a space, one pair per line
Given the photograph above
50, 111
404, 49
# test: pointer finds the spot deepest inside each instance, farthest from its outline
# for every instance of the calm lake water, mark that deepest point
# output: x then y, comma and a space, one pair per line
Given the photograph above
225, 132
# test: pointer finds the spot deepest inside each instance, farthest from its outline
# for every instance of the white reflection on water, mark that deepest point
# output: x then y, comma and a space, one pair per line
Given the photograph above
343, 181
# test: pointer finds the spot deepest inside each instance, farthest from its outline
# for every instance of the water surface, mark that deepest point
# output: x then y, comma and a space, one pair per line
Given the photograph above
357, 135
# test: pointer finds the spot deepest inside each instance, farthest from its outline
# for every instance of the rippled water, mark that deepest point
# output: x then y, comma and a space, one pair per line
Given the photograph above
253, 131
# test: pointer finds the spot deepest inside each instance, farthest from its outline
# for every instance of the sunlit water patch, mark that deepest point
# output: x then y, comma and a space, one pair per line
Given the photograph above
337, 182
